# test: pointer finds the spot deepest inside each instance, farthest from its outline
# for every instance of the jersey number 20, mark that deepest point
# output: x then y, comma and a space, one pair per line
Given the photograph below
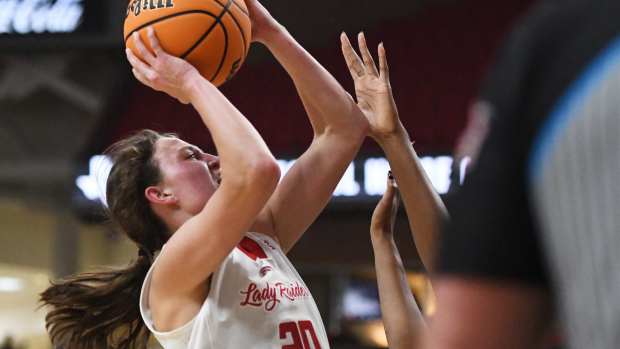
301, 332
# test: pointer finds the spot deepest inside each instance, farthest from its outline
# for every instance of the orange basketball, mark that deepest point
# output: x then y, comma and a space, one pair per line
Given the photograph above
213, 35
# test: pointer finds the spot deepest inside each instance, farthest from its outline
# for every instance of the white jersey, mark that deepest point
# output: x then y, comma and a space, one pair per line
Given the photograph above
257, 300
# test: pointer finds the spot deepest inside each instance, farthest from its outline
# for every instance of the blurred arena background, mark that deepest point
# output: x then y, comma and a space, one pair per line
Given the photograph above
66, 93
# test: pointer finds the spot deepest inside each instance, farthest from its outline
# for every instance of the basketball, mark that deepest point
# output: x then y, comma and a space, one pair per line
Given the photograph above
213, 35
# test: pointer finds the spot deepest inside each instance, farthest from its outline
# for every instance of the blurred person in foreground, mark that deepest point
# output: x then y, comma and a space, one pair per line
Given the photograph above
533, 233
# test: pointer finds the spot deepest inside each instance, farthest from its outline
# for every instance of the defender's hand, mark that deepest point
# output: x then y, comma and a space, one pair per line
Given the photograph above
384, 216
372, 88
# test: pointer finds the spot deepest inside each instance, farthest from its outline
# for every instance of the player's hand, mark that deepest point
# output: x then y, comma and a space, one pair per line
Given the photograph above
384, 216
160, 70
263, 24
372, 88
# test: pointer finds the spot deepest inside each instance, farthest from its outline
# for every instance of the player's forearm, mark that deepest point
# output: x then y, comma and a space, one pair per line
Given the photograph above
327, 103
424, 208
484, 313
238, 144
401, 316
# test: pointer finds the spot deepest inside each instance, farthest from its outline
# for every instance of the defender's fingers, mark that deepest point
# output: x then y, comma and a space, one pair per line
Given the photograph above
391, 190
354, 63
388, 195
146, 55
369, 62
383, 63
395, 196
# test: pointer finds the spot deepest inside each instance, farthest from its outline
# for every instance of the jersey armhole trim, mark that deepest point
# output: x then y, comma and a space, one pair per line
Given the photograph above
146, 286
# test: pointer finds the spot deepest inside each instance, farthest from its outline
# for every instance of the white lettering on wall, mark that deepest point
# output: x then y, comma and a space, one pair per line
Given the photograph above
374, 174
39, 16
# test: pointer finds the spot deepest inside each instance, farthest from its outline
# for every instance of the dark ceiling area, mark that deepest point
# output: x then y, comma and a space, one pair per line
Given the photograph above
61, 104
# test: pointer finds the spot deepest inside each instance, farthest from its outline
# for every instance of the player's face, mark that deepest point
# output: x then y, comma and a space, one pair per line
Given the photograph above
189, 174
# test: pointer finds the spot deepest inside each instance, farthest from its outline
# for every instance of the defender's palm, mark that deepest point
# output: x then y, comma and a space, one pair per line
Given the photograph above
372, 87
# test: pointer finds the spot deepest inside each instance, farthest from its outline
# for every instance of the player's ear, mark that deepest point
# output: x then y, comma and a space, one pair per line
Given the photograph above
157, 195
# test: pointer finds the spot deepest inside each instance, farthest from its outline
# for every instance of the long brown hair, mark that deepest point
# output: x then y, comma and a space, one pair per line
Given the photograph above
101, 309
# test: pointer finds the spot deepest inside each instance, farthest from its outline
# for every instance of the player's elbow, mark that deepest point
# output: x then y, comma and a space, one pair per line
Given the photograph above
258, 176
263, 172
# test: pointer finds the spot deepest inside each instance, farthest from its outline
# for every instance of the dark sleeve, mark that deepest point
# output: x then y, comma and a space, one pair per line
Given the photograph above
491, 233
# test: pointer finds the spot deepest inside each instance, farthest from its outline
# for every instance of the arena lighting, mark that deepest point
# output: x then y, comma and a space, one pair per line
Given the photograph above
40, 16
10, 284
93, 184
373, 172
375, 333
359, 302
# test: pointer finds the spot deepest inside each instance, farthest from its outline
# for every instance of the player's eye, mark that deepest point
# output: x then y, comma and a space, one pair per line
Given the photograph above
193, 155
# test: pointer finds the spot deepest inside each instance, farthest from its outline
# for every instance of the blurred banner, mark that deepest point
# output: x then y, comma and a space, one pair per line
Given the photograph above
362, 183
56, 24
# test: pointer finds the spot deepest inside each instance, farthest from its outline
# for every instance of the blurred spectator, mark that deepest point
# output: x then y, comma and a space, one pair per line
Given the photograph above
9, 343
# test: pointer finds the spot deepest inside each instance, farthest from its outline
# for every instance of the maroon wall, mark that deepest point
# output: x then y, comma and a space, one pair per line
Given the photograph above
437, 59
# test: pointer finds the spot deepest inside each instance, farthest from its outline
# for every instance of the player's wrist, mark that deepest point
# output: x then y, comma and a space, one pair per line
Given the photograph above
397, 136
193, 85
381, 238
272, 33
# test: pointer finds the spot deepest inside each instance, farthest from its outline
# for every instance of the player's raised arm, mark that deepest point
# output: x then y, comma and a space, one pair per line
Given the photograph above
374, 95
338, 125
401, 316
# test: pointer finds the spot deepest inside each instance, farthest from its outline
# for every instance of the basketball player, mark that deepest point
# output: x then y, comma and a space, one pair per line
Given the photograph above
213, 231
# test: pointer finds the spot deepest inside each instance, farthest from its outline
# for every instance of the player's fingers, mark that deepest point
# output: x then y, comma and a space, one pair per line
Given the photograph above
395, 195
140, 77
154, 42
384, 215
354, 63
369, 62
383, 63
139, 66
387, 201
142, 50
391, 190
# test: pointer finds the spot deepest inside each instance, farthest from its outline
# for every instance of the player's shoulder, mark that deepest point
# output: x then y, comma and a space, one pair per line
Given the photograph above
549, 19
550, 24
